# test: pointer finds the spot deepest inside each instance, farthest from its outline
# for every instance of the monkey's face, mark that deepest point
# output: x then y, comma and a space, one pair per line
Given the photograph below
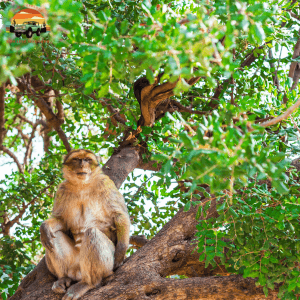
80, 166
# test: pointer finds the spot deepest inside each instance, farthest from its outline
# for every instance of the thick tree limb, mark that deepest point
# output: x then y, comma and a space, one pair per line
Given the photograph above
60, 112
142, 276
123, 162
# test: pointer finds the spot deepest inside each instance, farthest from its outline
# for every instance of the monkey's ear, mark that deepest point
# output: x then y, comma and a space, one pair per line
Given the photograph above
65, 159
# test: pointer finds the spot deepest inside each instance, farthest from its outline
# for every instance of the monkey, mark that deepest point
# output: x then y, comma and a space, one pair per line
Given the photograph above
87, 235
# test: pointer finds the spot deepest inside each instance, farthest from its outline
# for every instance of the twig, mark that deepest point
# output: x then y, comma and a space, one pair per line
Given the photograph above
294, 71
183, 108
295, 16
25, 137
25, 119
279, 60
272, 65
28, 147
283, 116
295, 125
113, 111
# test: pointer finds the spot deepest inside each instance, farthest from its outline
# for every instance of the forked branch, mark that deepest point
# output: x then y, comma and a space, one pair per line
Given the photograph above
52, 119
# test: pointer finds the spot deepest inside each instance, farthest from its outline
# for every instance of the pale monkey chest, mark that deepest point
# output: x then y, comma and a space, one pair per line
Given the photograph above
87, 215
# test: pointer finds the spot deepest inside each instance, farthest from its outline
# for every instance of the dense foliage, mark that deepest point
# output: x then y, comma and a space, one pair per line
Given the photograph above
242, 52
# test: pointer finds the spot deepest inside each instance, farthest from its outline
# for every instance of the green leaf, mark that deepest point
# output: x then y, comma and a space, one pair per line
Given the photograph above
292, 286
187, 206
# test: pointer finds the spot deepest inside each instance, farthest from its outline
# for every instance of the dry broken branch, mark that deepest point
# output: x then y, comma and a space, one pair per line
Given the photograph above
151, 95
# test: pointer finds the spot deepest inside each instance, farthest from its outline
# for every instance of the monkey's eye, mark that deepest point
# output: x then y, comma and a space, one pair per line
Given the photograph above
75, 159
88, 160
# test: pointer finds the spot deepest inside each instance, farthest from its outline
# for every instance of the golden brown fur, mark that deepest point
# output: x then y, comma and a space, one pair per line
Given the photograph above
88, 205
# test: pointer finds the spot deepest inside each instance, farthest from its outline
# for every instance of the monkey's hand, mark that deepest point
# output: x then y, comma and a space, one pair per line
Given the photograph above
119, 254
47, 236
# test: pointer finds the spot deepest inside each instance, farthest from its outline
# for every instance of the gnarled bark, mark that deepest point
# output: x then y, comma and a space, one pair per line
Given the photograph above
143, 275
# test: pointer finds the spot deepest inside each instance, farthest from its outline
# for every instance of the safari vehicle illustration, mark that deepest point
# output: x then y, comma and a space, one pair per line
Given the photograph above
28, 28
27, 22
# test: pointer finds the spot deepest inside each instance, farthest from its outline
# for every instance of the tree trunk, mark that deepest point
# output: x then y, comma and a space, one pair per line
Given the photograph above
143, 275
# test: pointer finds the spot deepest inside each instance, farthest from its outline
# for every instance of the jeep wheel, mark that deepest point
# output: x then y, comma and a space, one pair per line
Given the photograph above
38, 33
29, 33
18, 34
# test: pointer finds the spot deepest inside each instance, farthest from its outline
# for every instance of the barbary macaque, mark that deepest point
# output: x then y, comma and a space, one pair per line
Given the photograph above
87, 236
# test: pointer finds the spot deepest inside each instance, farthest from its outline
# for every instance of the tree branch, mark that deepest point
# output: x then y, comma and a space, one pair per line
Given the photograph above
25, 119
2, 106
274, 75
8, 152
138, 240
294, 71
28, 147
283, 116
11, 223
49, 114
60, 111
149, 166
182, 108
249, 59
115, 113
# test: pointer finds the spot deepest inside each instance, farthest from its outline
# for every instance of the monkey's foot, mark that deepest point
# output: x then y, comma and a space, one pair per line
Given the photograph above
60, 286
76, 291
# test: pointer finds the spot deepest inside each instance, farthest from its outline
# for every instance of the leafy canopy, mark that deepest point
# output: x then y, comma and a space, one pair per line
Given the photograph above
94, 53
